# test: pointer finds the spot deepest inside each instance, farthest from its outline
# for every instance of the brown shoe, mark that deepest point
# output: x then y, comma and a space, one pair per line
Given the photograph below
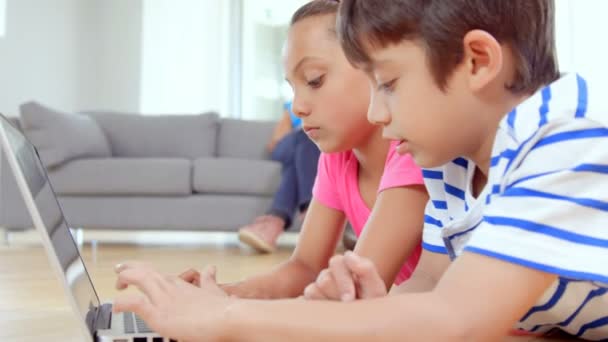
263, 233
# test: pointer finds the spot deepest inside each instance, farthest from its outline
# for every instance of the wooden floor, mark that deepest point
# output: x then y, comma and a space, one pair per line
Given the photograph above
33, 307
32, 304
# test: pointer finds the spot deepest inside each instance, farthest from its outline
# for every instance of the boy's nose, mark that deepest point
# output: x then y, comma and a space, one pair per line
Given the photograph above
377, 112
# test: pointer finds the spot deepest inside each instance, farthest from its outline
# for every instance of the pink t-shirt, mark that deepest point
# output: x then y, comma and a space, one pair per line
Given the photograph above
337, 187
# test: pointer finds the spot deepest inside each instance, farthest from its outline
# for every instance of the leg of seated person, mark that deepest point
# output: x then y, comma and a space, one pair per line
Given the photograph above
263, 233
284, 150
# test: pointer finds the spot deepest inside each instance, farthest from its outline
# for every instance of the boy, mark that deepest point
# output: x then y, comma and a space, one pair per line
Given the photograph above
457, 78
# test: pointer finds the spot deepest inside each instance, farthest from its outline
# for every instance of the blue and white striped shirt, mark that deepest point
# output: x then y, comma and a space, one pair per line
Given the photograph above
545, 205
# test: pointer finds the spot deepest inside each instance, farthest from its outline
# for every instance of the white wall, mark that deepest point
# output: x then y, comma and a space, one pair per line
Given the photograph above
2, 17
39, 54
71, 54
111, 67
185, 56
580, 44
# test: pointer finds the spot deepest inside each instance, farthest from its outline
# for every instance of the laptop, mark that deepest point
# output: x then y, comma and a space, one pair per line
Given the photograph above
96, 320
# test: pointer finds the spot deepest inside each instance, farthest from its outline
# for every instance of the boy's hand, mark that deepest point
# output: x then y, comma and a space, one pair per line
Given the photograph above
191, 276
348, 277
120, 285
171, 306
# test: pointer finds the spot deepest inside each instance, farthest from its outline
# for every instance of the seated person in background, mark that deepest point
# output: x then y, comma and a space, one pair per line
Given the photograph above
299, 156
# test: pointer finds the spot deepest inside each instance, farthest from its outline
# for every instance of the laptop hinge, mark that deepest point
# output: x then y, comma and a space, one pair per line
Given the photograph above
104, 317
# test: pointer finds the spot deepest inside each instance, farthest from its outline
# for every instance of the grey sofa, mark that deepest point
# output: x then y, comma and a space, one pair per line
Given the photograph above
129, 171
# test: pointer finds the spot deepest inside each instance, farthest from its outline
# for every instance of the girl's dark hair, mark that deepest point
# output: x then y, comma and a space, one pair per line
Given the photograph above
526, 26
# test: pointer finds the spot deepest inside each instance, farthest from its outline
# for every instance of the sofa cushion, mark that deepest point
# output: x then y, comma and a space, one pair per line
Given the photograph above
159, 136
60, 137
236, 176
244, 139
122, 176
202, 212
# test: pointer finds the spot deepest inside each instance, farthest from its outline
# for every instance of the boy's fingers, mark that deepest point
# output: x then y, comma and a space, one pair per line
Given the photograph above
137, 304
370, 284
343, 278
132, 303
146, 281
121, 285
129, 264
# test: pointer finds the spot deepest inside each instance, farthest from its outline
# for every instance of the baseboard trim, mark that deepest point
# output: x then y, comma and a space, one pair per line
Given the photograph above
160, 238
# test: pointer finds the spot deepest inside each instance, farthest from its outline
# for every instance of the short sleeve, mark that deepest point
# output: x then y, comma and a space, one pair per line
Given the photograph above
325, 190
432, 238
400, 171
434, 217
549, 212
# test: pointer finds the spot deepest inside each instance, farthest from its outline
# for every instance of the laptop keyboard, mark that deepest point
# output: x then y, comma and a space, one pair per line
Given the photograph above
134, 324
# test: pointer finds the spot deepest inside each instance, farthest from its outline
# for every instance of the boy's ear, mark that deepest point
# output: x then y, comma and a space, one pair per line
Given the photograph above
483, 58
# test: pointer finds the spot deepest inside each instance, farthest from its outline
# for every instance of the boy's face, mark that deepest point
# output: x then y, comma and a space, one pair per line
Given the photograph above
434, 126
330, 95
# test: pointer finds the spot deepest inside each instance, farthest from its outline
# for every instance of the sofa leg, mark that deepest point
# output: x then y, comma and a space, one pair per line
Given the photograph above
78, 235
94, 244
4, 238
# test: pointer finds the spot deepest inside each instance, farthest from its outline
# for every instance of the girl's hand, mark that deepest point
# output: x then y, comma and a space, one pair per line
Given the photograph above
171, 306
348, 277
191, 276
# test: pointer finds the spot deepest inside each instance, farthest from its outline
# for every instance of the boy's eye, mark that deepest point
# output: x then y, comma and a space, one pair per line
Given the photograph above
388, 86
317, 82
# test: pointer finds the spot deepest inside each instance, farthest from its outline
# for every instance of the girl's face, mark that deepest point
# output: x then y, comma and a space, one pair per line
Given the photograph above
330, 96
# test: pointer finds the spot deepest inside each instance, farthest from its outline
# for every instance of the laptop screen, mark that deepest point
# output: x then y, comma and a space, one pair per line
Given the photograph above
62, 242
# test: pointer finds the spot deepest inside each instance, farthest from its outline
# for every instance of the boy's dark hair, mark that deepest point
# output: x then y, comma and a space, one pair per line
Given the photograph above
315, 8
526, 26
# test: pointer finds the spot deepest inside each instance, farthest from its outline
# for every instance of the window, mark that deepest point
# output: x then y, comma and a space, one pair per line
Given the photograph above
579, 46
184, 54
264, 29
2, 17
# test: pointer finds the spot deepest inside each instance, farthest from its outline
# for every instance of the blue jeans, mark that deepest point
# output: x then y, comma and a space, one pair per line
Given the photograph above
299, 157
